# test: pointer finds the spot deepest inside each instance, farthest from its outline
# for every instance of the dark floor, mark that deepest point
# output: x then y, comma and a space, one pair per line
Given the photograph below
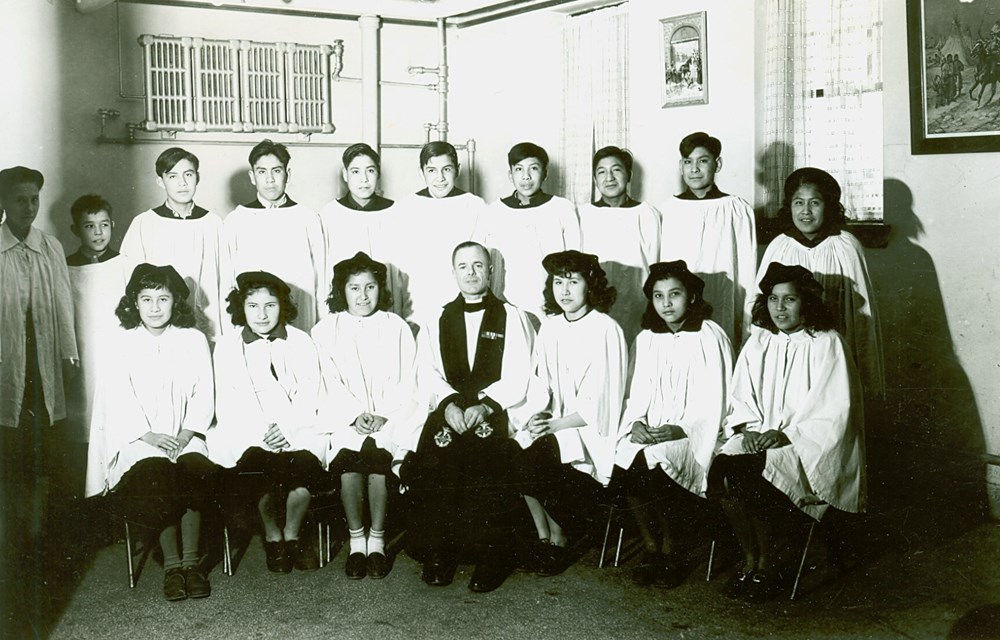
923, 563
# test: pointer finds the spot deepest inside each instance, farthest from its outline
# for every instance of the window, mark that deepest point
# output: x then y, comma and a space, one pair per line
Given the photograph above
196, 84
823, 99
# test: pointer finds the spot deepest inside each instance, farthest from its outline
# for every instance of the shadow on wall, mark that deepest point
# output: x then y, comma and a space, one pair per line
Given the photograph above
773, 166
924, 476
241, 191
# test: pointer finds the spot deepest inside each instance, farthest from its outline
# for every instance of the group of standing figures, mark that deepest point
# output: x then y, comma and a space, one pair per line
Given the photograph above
249, 361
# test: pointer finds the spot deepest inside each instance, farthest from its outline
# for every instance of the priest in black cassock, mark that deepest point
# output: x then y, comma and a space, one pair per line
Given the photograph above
474, 363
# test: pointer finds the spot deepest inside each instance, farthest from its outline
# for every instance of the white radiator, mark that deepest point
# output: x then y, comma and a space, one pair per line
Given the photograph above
198, 84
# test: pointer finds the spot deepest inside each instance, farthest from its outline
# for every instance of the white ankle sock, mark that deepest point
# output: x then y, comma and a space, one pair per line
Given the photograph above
357, 540
376, 541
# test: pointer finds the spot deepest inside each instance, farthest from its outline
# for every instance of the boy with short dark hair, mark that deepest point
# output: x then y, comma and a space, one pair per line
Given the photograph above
93, 225
274, 233
97, 275
184, 235
714, 233
526, 226
428, 225
625, 234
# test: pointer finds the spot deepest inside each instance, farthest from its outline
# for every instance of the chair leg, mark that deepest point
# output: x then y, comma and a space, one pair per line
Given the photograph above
802, 563
618, 552
711, 559
128, 553
329, 543
607, 532
320, 543
227, 556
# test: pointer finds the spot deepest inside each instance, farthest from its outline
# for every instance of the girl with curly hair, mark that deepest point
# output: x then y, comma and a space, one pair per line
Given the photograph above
153, 405
267, 395
574, 404
794, 434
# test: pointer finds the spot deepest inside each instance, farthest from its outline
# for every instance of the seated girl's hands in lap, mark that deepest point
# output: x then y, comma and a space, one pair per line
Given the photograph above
275, 439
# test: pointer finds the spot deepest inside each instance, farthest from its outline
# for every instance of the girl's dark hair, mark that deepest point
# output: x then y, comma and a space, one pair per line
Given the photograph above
816, 316
249, 282
834, 218
600, 295
343, 271
698, 309
182, 315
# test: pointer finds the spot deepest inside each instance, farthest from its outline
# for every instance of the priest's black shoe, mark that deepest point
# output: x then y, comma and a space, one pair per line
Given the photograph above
488, 576
438, 572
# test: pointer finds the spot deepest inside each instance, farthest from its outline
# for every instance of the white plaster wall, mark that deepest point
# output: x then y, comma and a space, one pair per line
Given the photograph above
955, 199
507, 88
729, 114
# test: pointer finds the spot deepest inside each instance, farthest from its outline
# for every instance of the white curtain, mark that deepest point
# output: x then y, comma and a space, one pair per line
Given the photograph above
823, 99
595, 86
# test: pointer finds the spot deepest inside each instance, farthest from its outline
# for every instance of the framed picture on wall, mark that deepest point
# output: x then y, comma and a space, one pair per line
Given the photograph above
954, 56
684, 77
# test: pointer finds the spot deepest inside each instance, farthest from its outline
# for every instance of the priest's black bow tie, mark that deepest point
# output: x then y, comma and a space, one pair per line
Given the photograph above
473, 307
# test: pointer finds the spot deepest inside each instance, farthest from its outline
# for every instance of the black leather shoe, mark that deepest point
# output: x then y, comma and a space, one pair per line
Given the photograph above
302, 556
762, 586
737, 586
488, 576
277, 557
649, 569
356, 566
197, 583
174, 587
554, 561
378, 565
671, 575
437, 572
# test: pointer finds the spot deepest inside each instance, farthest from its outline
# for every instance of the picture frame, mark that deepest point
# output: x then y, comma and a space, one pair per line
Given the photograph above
954, 69
684, 77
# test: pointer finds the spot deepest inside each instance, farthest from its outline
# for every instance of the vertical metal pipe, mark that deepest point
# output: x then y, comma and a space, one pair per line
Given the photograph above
371, 73
442, 85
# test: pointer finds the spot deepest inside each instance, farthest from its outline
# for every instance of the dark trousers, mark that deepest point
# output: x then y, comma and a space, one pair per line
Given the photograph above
462, 493
574, 499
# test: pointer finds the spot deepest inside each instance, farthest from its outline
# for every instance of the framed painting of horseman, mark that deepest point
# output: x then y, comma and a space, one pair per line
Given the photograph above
954, 56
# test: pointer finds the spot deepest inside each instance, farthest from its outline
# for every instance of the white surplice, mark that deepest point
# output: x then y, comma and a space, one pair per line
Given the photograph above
680, 379
347, 231
97, 288
421, 234
285, 241
718, 241
33, 276
369, 366
519, 239
194, 247
838, 263
510, 390
627, 240
581, 368
249, 397
152, 383
805, 386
